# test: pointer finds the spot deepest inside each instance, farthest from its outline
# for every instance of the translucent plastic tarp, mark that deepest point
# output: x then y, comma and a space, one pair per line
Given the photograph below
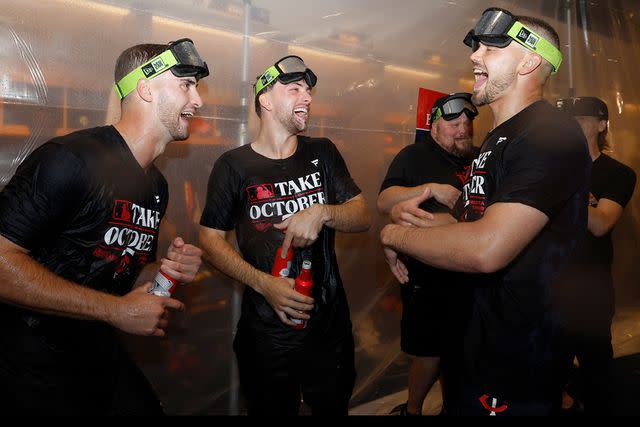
371, 56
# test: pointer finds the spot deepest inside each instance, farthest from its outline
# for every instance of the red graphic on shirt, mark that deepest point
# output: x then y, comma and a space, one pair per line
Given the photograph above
260, 192
122, 210
272, 203
493, 409
463, 176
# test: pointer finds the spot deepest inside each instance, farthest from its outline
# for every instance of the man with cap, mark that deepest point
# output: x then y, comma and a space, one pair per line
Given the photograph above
585, 295
306, 194
522, 210
438, 163
78, 221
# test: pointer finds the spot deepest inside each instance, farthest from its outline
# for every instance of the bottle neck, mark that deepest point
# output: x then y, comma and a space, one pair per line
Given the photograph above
305, 274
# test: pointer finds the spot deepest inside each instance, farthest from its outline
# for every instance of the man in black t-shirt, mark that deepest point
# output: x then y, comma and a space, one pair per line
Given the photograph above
440, 163
78, 221
522, 210
290, 191
585, 295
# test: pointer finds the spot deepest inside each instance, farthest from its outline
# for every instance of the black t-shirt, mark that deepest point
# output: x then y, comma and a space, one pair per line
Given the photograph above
250, 193
86, 210
538, 158
611, 180
417, 164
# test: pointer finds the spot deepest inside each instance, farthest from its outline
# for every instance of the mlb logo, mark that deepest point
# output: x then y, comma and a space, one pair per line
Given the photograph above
260, 192
122, 210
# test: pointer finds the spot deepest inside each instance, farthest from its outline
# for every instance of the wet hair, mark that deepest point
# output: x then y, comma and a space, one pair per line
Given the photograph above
544, 29
135, 56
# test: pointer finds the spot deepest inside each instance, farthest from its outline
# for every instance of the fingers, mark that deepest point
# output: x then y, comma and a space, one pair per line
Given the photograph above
288, 238
283, 225
177, 242
172, 303
284, 319
400, 271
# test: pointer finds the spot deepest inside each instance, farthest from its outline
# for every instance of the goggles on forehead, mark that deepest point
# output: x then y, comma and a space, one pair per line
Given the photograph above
498, 27
288, 69
181, 58
452, 106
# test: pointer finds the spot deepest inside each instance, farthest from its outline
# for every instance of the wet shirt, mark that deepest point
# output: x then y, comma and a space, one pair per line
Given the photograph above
538, 158
417, 164
250, 193
86, 210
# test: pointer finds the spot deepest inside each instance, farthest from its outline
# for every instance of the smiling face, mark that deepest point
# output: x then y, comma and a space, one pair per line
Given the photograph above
455, 136
292, 103
495, 70
179, 100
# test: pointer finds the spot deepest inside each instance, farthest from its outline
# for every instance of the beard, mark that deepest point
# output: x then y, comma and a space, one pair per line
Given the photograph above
171, 119
462, 148
493, 89
291, 123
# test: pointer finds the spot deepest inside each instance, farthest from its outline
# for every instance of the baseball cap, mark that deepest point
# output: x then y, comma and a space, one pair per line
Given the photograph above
584, 106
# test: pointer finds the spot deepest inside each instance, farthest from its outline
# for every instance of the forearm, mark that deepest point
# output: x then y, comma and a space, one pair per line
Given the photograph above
28, 284
396, 194
599, 223
449, 247
223, 256
350, 217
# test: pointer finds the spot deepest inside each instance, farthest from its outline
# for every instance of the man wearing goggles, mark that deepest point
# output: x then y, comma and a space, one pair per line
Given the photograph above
520, 216
80, 219
181, 57
435, 165
585, 297
290, 191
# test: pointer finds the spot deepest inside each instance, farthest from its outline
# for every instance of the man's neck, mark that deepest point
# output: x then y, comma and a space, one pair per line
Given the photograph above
512, 103
141, 140
275, 142
594, 151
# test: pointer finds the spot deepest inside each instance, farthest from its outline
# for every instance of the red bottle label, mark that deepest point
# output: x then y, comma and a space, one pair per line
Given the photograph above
282, 266
163, 285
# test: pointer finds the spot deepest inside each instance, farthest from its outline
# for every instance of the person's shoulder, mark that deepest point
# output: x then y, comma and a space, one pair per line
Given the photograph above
86, 143
315, 142
616, 166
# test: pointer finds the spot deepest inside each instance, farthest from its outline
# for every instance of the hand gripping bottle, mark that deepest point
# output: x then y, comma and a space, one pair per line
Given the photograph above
163, 285
282, 266
304, 284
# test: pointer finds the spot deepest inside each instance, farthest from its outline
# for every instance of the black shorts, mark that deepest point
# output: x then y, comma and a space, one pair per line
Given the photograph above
275, 373
424, 312
41, 378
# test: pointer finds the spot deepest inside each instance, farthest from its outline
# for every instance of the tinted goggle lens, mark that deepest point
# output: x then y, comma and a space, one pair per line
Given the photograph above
189, 61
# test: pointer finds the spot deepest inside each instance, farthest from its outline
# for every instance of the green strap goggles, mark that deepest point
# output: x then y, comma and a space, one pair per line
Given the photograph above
181, 58
498, 27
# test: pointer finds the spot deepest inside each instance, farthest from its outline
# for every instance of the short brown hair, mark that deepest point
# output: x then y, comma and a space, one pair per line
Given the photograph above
543, 28
135, 56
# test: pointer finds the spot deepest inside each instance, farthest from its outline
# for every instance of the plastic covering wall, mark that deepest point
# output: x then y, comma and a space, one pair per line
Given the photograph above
56, 75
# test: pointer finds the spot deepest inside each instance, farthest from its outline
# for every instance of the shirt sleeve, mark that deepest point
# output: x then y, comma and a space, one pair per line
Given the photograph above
397, 173
43, 196
544, 171
344, 186
621, 184
221, 209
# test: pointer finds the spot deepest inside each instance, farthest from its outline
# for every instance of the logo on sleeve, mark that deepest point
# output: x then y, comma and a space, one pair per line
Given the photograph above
315, 162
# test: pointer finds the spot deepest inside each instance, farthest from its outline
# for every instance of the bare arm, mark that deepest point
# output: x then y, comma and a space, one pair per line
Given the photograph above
443, 193
603, 218
277, 291
482, 246
302, 229
26, 283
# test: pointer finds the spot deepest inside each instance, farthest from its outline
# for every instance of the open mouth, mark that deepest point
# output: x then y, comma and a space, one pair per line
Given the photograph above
481, 78
301, 113
186, 114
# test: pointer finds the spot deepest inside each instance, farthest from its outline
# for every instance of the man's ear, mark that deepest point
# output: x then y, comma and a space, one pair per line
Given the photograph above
602, 125
265, 101
530, 62
144, 90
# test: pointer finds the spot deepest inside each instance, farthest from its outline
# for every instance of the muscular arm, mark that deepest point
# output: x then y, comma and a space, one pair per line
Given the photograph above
351, 216
277, 291
483, 246
603, 218
26, 283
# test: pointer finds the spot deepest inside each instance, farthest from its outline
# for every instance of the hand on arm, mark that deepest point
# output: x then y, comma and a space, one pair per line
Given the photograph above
278, 292
483, 246
444, 193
